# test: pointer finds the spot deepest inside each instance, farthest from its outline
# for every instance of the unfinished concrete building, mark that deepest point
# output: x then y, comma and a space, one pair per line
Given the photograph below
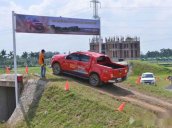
118, 48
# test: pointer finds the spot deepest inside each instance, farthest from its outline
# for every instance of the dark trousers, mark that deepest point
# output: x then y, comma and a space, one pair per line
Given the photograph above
43, 71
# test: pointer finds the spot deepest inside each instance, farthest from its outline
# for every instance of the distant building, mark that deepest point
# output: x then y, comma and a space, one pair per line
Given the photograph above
118, 48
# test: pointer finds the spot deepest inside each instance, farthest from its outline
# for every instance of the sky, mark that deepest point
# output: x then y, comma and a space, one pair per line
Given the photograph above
151, 20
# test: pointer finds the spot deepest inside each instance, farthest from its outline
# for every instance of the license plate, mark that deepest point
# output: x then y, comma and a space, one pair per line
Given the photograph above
119, 79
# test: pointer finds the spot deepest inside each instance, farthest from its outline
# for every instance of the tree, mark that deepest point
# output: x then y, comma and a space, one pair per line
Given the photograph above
49, 54
32, 55
36, 54
25, 55
11, 55
3, 57
3, 53
152, 54
163, 53
166, 52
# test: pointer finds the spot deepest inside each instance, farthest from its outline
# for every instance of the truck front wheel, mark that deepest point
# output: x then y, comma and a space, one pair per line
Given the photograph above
94, 80
56, 69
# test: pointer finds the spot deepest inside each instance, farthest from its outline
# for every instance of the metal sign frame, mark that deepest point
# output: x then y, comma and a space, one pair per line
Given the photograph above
15, 60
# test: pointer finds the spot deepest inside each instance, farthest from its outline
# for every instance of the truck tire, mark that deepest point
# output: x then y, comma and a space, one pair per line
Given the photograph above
94, 80
56, 69
124, 78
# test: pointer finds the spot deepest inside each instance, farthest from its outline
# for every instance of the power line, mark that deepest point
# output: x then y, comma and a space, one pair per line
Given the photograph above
151, 40
139, 7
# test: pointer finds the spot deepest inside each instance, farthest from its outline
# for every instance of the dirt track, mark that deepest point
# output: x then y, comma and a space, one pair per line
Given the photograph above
162, 108
153, 104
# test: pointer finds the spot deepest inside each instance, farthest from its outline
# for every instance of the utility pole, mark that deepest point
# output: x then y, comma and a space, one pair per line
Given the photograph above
95, 9
96, 16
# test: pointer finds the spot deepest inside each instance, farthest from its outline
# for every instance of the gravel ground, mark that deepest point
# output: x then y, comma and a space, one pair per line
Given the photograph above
169, 88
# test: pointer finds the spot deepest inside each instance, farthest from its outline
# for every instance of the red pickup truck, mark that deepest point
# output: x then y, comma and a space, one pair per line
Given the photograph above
98, 68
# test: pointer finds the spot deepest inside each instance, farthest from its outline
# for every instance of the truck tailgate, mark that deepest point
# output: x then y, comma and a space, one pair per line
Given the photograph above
120, 72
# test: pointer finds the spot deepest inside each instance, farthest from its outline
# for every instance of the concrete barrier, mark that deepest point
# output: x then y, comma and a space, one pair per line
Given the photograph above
7, 94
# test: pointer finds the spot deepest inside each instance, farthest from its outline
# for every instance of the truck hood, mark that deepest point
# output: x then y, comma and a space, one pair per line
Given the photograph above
59, 56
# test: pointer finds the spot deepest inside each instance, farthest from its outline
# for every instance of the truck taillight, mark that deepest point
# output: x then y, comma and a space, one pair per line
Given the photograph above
126, 70
105, 71
111, 75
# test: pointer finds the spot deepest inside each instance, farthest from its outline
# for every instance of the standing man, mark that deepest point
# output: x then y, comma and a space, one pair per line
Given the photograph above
42, 63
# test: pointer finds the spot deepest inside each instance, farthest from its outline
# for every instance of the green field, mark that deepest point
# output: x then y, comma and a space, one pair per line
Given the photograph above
169, 68
21, 70
161, 73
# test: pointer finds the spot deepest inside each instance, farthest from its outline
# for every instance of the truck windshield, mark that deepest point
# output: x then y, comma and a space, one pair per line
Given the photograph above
147, 76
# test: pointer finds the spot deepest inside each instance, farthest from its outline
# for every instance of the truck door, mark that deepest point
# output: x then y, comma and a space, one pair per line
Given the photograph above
70, 63
83, 65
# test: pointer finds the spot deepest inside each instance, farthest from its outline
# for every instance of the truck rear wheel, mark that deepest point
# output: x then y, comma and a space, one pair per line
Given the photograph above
124, 78
56, 69
94, 80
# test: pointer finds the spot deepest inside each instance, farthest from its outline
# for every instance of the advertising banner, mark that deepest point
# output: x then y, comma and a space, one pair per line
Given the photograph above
56, 25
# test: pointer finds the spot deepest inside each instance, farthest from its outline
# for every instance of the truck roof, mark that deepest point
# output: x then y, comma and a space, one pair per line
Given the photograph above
94, 54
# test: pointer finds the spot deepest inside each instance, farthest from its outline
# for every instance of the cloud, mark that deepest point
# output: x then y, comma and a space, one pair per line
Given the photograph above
46, 7
73, 8
41, 8
6, 14
149, 19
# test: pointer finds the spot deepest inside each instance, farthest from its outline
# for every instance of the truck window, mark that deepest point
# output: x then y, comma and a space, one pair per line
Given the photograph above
101, 59
73, 56
84, 58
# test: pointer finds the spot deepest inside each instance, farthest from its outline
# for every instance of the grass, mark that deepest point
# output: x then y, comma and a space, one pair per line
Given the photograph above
138, 67
21, 70
169, 68
2, 71
158, 90
161, 73
2, 125
83, 107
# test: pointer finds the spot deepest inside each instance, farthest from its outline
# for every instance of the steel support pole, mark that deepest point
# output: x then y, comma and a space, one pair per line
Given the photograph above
15, 60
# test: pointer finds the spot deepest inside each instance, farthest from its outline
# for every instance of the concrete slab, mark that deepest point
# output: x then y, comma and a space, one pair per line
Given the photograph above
4, 83
7, 94
9, 77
